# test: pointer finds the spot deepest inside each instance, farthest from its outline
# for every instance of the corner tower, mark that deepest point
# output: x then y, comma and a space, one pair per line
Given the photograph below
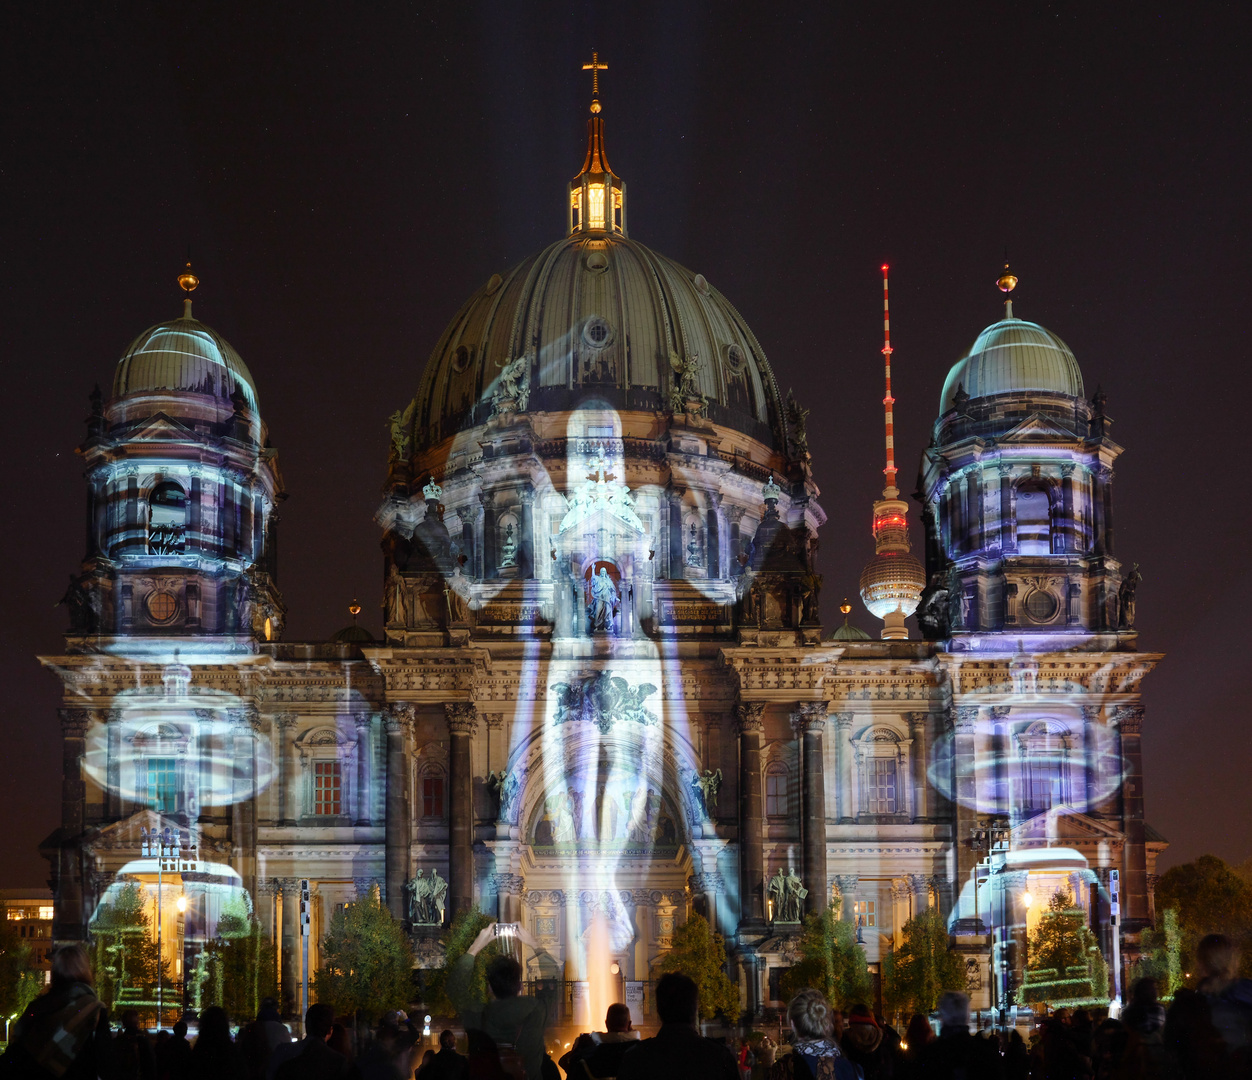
182, 486
1016, 488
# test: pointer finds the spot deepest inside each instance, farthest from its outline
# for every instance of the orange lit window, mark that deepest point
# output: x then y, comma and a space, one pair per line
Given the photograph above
595, 210
326, 788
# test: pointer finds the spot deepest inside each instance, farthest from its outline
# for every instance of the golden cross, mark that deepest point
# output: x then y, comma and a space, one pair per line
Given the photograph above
595, 67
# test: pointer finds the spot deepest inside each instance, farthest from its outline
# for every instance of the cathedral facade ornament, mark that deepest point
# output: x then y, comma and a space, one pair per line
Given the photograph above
602, 699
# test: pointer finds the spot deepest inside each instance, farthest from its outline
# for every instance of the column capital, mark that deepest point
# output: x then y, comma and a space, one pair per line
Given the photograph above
916, 721
809, 717
919, 882
847, 884
74, 722
1128, 719
750, 716
362, 886
462, 717
493, 720
399, 716
965, 719
286, 720
362, 721
843, 720
712, 882
509, 884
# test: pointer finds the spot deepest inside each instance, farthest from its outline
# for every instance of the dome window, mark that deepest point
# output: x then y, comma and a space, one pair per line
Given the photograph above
161, 606
462, 357
597, 333
1041, 606
735, 359
167, 520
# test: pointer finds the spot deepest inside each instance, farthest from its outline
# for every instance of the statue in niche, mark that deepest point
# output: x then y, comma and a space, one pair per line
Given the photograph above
514, 392
1126, 599
605, 600
810, 587
694, 555
84, 605
505, 785
707, 785
508, 550
778, 893
395, 605
458, 605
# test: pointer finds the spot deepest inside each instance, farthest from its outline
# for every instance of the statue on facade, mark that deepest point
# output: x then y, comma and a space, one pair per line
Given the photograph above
427, 897
395, 599
1126, 599
458, 605
604, 602
694, 555
84, 605
796, 892
399, 424
810, 588
797, 421
707, 785
514, 392
778, 894
508, 549
684, 392
505, 785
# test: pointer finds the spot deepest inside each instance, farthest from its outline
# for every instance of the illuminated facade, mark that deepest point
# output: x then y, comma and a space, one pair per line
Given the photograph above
604, 698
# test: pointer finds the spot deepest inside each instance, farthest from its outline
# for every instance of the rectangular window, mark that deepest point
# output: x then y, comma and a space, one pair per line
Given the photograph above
775, 984
595, 211
16, 913
776, 795
881, 777
432, 796
163, 785
1043, 788
46, 913
864, 912
326, 787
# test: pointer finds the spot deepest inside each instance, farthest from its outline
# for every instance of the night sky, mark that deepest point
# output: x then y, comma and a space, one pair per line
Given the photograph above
346, 175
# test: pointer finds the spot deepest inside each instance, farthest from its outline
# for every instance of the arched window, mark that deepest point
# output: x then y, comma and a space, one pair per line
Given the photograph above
431, 794
1044, 768
777, 792
882, 759
167, 519
1034, 520
327, 757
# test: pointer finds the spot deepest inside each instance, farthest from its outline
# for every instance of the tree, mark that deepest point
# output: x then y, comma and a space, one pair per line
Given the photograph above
1210, 898
923, 967
1065, 965
1162, 955
830, 961
700, 954
19, 985
124, 954
456, 940
367, 962
239, 968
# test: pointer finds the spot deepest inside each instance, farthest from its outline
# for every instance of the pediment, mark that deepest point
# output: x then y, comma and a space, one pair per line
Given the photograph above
1064, 825
127, 834
161, 428
1037, 427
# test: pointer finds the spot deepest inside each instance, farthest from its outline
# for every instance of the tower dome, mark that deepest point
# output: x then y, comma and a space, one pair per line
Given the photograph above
185, 356
1010, 356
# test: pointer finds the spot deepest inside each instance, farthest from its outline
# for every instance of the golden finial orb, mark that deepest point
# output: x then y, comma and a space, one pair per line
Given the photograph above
845, 607
354, 608
187, 281
1006, 282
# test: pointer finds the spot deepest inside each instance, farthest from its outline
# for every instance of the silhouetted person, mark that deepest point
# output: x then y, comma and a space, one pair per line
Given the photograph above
132, 1052
262, 1037
65, 1031
447, 1064
603, 1050
916, 1037
1144, 1018
814, 1051
956, 1053
1016, 1057
215, 1053
172, 1054
678, 1050
870, 1045
1208, 1031
512, 1023
310, 1058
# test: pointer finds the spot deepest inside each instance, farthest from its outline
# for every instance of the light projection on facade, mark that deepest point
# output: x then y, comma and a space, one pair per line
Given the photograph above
603, 699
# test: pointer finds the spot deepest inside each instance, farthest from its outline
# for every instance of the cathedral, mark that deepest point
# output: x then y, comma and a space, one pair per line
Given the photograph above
604, 699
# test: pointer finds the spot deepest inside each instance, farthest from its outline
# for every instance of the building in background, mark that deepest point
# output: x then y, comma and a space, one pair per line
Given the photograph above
604, 699
31, 910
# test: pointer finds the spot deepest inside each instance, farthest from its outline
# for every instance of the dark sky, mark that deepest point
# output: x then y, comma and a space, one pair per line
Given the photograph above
346, 175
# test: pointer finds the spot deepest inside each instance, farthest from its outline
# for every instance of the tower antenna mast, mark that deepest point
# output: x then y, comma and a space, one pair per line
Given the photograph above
890, 491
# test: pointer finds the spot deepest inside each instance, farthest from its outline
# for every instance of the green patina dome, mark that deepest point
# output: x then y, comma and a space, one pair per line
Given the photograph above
1011, 356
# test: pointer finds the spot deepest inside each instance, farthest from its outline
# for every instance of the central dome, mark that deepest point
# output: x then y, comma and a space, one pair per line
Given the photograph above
598, 313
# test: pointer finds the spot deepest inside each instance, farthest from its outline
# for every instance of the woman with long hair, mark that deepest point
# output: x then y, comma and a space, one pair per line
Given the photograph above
215, 1054
65, 1031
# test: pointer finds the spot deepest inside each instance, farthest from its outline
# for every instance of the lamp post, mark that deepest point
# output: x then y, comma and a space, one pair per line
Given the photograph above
992, 836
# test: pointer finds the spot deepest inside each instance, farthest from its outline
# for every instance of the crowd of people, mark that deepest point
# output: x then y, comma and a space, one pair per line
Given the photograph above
1205, 1034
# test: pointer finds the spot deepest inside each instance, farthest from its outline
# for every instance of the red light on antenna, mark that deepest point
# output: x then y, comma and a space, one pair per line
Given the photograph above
884, 266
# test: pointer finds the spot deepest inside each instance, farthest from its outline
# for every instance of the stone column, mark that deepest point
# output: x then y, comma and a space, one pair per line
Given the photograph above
810, 722
509, 891
919, 886
973, 494
1069, 530
462, 723
285, 752
675, 499
1109, 548
848, 884
527, 549
289, 946
708, 884
1129, 721
920, 764
397, 721
245, 723
363, 722
642, 901
71, 919
965, 785
843, 763
751, 817
1008, 538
